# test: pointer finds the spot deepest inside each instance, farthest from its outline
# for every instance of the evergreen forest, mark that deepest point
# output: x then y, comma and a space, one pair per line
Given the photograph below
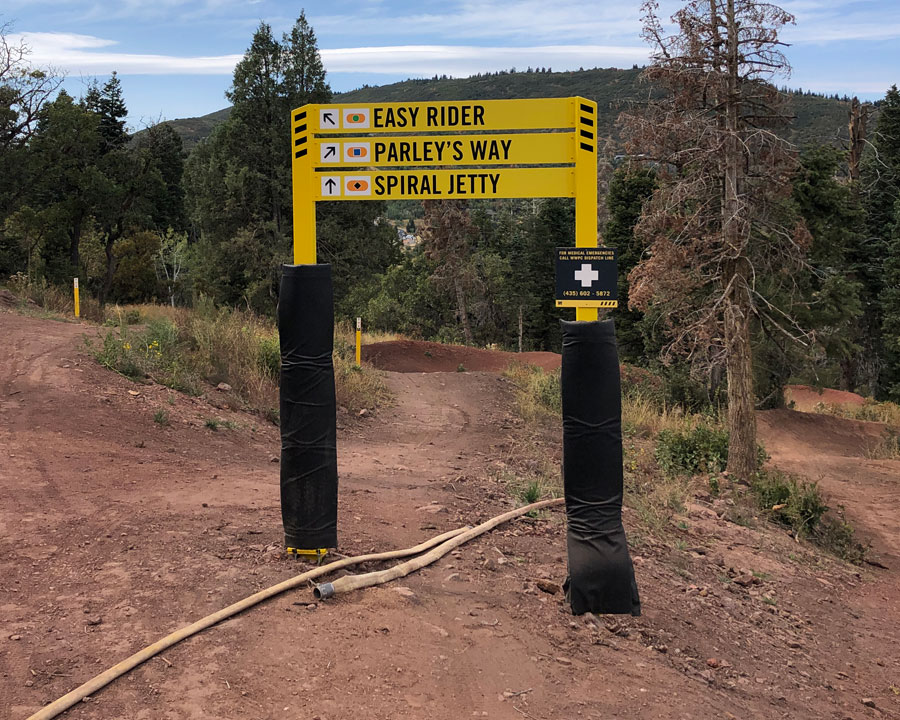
174, 214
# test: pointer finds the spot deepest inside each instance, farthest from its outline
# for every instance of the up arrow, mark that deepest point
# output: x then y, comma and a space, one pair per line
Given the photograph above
330, 183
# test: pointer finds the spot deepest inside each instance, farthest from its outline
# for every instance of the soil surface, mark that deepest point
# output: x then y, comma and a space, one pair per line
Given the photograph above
408, 356
115, 530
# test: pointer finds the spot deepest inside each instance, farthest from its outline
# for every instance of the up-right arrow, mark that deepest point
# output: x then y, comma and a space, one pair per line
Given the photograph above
329, 151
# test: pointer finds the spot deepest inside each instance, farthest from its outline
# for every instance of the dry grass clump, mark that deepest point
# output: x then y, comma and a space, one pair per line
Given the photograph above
871, 411
190, 348
887, 448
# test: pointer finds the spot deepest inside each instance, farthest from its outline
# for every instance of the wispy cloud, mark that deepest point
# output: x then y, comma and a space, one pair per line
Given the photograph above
88, 55
78, 54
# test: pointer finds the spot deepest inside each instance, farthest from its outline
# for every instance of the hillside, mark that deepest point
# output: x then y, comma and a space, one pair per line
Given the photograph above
119, 528
819, 119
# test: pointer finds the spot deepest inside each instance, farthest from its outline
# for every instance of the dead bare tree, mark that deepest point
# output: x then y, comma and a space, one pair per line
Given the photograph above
23, 90
714, 227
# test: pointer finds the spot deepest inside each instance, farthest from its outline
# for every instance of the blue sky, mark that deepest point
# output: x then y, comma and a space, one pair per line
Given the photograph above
175, 57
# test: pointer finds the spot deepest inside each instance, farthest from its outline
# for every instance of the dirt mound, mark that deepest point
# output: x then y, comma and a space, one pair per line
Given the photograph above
810, 434
408, 356
805, 398
8, 300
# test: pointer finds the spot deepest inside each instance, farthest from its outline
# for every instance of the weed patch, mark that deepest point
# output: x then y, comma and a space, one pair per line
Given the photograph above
871, 411
189, 349
538, 393
799, 505
888, 448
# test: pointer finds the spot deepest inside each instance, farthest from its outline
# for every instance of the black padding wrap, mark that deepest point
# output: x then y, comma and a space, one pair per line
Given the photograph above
309, 480
601, 575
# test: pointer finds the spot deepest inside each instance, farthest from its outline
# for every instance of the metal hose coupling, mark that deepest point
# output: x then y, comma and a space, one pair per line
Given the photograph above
323, 591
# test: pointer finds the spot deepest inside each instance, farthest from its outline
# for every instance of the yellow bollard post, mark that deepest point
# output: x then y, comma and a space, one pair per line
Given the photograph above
77, 304
358, 341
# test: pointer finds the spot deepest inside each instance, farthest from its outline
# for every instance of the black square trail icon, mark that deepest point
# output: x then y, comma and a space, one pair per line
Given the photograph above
586, 276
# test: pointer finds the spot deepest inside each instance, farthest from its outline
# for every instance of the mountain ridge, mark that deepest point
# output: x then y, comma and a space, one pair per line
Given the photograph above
818, 119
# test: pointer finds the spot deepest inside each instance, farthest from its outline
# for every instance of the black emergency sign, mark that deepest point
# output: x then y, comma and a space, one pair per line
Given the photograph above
586, 277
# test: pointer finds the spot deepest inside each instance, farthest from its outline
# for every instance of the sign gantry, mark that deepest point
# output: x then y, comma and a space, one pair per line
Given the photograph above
548, 148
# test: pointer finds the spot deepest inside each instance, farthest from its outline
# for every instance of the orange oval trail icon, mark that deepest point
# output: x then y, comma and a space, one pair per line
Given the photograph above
357, 185
355, 118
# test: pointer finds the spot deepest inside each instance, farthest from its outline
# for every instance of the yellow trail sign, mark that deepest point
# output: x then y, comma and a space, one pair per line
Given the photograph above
458, 116
414, 150
445, 184
321, 132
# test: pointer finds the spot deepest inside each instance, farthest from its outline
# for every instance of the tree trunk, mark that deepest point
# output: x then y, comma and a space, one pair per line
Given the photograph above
74, 242
110, 270
737, 306
461, 308
520, 328
741, 405
849, 373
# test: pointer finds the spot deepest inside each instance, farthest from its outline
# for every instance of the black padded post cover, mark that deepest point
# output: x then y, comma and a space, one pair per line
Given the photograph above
601, 575
309, 480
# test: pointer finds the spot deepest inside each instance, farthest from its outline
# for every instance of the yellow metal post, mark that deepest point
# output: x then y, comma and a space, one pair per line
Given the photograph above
358, 341
302, 179
585, 123
77, 304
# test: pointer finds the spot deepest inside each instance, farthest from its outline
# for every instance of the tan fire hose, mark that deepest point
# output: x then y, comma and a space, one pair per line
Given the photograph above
439, 543
356, 582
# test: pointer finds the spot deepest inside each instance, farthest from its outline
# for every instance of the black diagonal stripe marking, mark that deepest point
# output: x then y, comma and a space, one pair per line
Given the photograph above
300, 153
587, 109
302, 116
585, 146
301, 140
587, 121
300, 128
587, 134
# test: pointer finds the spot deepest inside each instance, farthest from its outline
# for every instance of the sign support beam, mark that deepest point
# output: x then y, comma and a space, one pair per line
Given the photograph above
585, 112
304, 204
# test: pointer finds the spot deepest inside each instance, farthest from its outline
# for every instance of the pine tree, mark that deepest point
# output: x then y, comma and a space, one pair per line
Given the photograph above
880, 188
890, 300
630, 187
239, 182
108, 103
304, 74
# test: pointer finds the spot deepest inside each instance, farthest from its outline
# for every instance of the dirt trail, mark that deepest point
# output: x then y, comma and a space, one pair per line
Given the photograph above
115, 531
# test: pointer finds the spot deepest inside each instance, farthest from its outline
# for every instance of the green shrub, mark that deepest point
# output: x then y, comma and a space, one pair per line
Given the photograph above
269, 354
837, 536
699, 450
793, 502
799, 505
161, 417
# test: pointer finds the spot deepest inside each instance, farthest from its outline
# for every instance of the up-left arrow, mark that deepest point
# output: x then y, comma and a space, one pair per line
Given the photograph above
328, 119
